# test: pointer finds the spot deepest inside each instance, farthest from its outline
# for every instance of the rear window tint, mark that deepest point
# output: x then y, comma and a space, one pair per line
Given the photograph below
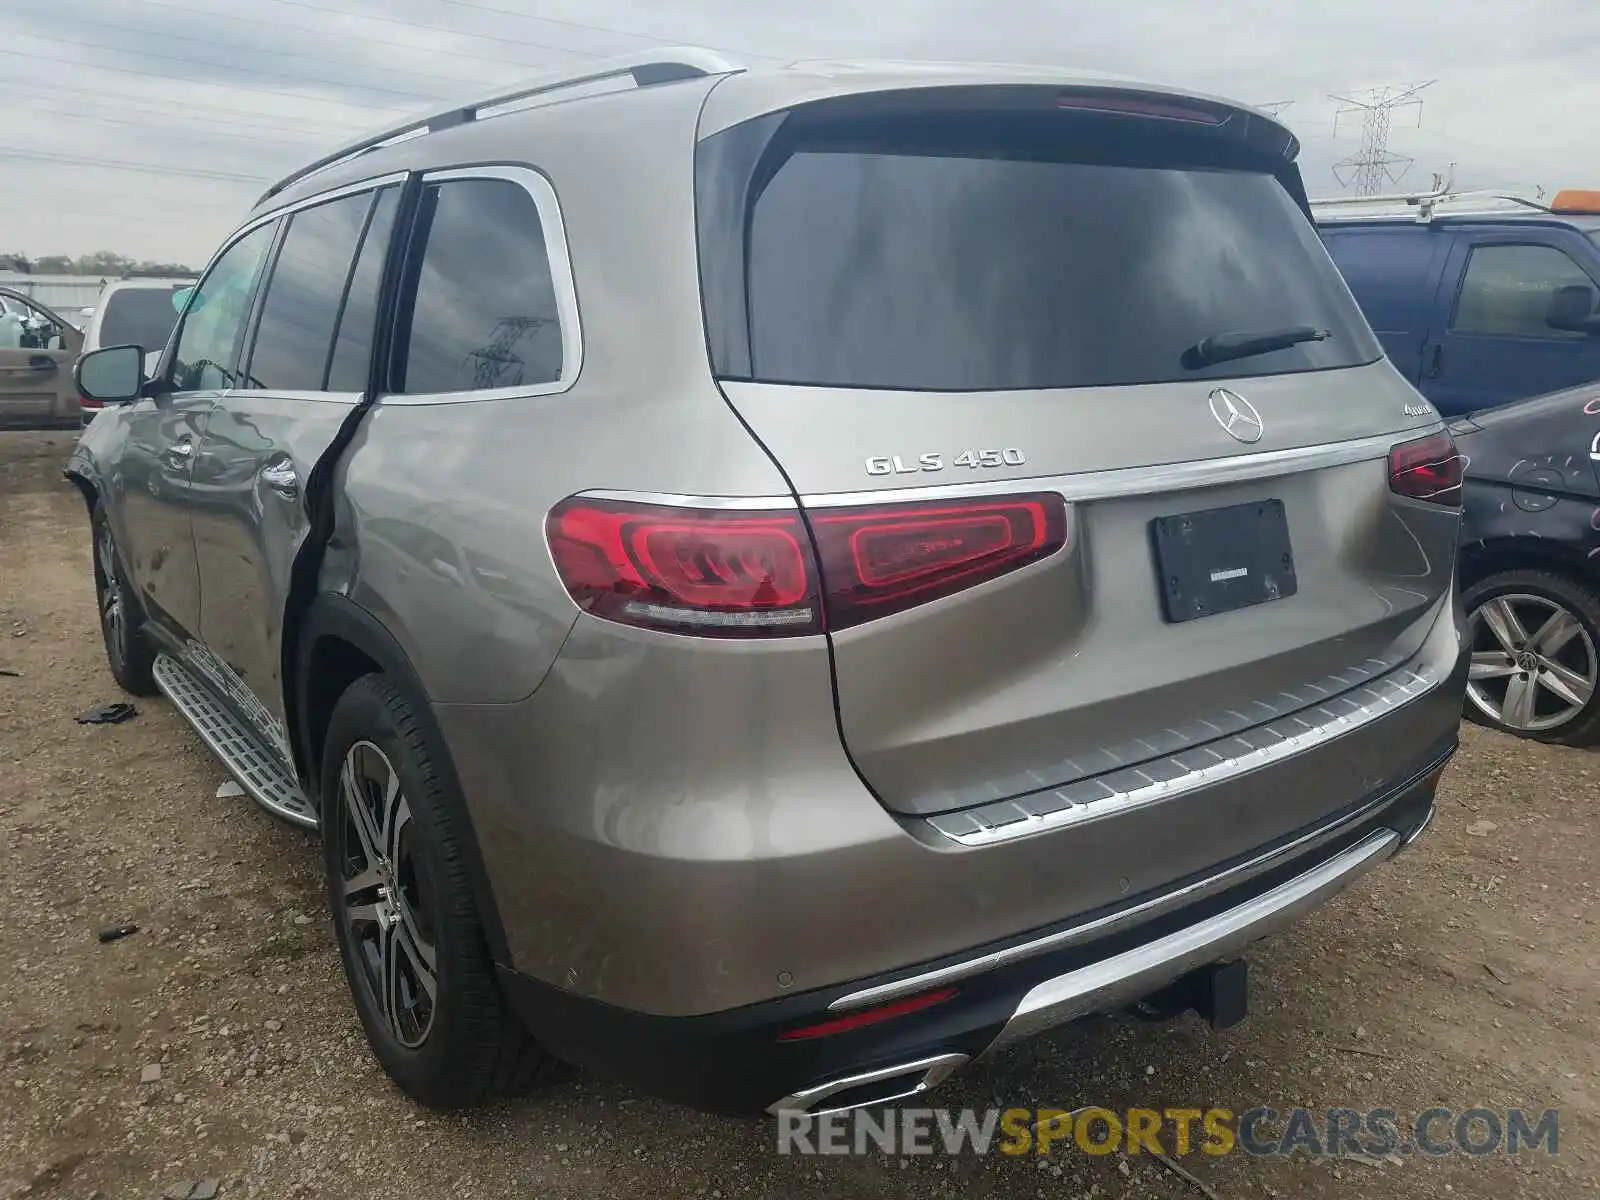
141, 316
884, 262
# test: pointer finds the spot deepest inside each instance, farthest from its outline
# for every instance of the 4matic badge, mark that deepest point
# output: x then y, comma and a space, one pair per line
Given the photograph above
895, 464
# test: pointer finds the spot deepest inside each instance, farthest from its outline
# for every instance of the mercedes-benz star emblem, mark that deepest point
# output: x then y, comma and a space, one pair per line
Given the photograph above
1237, 416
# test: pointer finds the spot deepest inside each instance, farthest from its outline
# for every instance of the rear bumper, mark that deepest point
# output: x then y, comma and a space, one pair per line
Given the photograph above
734, 1062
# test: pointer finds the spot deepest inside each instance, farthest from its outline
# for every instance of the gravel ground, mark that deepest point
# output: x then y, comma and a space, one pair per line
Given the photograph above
1463, 974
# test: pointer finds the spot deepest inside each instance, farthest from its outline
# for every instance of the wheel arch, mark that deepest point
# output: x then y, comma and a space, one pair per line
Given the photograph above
87, 488
1491, 556
337, 642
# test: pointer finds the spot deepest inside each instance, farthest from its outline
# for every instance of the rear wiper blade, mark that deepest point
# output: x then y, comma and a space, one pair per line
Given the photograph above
1225, 347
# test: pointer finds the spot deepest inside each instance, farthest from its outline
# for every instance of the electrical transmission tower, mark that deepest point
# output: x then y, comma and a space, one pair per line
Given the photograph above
1373, 166
492, 362
1274, 106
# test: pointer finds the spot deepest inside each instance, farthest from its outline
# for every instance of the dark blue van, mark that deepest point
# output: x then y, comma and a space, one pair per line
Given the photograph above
1479, 300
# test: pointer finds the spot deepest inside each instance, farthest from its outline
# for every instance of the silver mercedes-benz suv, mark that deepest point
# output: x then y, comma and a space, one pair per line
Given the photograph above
774, 583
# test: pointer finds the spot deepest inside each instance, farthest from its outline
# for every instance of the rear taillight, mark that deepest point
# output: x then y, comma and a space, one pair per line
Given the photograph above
85, 402
704, 571
735, 573
1427, 469
883, 559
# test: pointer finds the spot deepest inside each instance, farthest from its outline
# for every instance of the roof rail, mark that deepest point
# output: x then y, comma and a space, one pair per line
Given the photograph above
1425, 204
648, 68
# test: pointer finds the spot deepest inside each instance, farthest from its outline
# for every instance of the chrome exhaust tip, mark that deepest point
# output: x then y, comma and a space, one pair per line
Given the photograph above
870, 1087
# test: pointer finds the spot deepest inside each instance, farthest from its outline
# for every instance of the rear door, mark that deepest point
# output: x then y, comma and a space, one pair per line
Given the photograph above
1393, 271
305, 367
1492, 343
36, 385
915, 315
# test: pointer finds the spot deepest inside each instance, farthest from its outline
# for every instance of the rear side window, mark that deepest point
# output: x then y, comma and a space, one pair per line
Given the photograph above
995, 252
1389, 273
1507, 291
304, 294
352, 348
482, 304
141, 316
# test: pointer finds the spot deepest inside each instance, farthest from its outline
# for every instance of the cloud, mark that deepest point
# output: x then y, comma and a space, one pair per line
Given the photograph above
227, 89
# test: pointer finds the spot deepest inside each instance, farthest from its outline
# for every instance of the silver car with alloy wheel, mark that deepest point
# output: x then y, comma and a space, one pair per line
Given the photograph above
774, 583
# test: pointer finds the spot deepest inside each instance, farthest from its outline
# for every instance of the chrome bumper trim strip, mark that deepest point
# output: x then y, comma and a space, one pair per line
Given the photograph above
1324, 717
1124, 978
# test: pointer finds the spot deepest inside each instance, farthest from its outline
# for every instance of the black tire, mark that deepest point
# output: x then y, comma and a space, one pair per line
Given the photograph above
129, 653
1582, 726
462, 1045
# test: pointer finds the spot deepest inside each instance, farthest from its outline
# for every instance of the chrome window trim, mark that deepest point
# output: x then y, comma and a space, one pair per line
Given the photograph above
554, 231
348, 399
1078, 487
338, 193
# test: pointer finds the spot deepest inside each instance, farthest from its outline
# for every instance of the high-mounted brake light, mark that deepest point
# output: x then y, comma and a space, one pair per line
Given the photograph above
1141, 105
740, 573
1427, 469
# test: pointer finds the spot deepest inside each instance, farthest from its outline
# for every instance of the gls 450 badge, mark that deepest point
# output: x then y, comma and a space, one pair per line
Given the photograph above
895, 464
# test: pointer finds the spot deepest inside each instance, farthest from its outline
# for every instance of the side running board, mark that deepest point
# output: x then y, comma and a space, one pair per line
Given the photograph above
258, 770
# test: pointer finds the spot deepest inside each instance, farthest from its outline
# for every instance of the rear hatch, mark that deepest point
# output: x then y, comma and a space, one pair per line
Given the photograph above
1061, 533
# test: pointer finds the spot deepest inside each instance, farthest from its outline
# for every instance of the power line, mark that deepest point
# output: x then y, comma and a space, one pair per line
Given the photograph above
431, 51
497, 38
296, 55
204, 62
39, 105
85, 160
144, 103
125, 108
1373, 166
647, 37
34, 56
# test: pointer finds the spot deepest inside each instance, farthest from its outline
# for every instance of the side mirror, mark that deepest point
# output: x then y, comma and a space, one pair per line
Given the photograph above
180, 297
114, 375
1573, 309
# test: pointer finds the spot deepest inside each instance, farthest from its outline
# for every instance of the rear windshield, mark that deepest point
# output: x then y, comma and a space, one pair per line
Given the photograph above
939, 256
138, 317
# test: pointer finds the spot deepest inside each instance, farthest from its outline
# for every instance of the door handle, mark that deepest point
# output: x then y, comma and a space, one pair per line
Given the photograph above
281, 478
1434, 366
40, 362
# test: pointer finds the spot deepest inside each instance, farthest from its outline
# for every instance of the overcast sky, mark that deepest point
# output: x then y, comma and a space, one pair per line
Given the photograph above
149, 126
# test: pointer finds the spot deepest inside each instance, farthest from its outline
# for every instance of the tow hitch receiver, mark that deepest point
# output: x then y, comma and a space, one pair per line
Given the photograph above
1219, 992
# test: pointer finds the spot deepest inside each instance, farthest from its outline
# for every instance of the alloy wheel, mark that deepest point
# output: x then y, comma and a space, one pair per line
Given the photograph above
387, 895
1534, 666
